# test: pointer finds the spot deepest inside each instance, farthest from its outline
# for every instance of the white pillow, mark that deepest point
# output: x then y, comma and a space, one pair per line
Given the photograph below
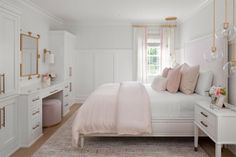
159, 83
204, 83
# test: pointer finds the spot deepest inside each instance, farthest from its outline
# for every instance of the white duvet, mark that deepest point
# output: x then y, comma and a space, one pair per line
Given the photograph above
120, 108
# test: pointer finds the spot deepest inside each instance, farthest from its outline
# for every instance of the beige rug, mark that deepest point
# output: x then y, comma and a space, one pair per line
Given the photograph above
59, 145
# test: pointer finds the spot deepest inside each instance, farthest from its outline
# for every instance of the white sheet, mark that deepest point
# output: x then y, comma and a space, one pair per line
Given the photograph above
165, 105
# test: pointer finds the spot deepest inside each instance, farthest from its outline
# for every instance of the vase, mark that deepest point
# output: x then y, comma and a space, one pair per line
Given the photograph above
213, 99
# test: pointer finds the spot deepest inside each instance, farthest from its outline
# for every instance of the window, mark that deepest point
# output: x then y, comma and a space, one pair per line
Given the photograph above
153, 58
153, 53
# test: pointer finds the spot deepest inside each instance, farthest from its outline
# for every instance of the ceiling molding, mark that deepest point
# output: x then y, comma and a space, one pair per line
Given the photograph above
42, 11
10, 7
197, 10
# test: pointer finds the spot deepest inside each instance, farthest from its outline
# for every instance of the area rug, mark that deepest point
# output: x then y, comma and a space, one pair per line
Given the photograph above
59, 145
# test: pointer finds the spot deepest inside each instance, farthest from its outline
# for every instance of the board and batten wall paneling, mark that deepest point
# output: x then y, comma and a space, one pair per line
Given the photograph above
104, 68
84, 75
96, 67
123, 66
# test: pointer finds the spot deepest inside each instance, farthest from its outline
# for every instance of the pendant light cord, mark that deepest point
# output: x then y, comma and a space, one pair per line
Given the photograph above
234, 13
214, 28
226, 16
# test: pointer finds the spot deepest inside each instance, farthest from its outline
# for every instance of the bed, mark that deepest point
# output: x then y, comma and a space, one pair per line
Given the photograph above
171, 114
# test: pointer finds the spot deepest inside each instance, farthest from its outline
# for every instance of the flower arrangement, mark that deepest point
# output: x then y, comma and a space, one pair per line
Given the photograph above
52, 76
216, 92
45, 77
48, 77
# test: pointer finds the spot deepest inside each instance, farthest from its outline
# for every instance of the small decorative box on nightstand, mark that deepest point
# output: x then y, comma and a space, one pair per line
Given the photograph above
219, 124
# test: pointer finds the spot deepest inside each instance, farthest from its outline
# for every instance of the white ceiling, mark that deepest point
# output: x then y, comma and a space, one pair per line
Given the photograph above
92, 11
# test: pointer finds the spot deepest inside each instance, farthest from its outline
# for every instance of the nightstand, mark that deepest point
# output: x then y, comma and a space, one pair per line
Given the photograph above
219, 124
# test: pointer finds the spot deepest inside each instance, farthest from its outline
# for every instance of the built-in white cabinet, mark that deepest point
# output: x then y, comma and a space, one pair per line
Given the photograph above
9, 49
9, 54
8, 127
67, 97
30, 118
62, 44
31, 108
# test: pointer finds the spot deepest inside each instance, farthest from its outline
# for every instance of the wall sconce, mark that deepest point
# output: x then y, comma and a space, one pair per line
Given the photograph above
51, 56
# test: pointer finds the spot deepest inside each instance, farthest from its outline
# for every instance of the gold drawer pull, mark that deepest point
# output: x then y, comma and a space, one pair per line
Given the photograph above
0, 118
204, 124
202, 113
35, 113
4, 117
70, 87
2, 83
35, 127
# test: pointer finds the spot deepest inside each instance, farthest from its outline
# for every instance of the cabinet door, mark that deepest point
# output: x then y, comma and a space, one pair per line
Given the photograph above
8, 48
8, 131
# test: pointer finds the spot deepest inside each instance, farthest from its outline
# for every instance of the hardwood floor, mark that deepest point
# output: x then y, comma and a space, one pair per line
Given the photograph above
205, 143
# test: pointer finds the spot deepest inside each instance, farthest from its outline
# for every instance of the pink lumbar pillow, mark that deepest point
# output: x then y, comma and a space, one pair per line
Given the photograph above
159, 83
189, 77
173, 77
165, 72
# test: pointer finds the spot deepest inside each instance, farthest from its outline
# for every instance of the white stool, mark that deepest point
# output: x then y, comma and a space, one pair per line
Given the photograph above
51, 112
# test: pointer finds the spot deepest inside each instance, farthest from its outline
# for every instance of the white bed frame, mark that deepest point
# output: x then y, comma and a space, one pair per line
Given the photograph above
173, 127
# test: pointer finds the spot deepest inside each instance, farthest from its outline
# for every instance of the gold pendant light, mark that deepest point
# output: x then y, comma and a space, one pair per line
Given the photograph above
230, 67
214, 53
232, 30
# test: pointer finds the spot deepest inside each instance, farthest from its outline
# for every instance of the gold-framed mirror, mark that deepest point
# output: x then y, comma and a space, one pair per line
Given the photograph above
29, 47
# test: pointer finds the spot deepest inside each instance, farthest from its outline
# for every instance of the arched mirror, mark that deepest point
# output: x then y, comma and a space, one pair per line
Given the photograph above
29, 55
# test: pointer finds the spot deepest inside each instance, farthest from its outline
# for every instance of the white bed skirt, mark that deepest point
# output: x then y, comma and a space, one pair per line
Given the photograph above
160, 128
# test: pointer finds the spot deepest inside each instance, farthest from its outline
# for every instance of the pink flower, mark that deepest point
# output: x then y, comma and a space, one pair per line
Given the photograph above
218, 92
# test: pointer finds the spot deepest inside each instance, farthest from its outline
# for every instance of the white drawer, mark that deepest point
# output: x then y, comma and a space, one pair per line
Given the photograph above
67, 86
35, 121
36, 129
206, 120
35, 99
66, 94
35, 111
66, 106
204, 115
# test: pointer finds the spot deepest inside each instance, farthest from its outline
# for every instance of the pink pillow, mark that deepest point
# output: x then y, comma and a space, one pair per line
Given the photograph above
189, 79
159, 83
165, 72
174, 76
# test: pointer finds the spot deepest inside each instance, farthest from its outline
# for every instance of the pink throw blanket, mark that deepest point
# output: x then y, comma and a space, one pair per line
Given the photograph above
122, 109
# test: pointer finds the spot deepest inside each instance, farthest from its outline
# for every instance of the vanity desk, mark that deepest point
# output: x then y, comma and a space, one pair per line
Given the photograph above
30, 102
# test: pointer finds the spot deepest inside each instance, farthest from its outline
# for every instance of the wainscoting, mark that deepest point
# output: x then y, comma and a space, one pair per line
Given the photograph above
95, 67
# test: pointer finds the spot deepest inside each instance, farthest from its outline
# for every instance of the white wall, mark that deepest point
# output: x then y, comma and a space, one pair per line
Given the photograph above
33, 20
201, 25
104, 56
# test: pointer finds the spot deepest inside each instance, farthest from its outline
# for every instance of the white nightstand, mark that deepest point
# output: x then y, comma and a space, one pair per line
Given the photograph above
218, 124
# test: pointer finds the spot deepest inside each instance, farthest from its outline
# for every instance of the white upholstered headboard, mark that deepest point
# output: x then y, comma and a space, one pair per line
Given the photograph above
193, 55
